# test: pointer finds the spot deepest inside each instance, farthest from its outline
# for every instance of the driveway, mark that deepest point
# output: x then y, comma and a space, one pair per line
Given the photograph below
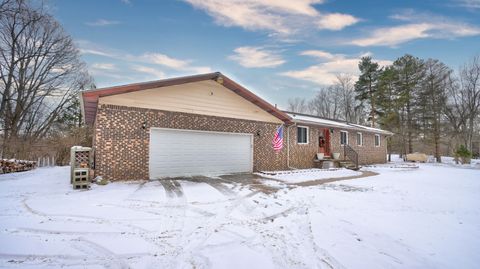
227, 184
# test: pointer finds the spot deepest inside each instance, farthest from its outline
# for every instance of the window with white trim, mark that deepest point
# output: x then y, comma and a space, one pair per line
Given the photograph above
377, 140
302, 135
359, 139
343, 138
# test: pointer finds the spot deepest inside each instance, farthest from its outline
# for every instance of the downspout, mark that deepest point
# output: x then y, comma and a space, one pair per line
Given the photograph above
387, 142
82, 108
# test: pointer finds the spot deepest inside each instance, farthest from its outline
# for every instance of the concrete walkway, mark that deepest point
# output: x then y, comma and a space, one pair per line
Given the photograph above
328, 180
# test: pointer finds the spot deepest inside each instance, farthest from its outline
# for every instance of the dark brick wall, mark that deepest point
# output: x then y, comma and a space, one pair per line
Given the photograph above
302, 156
122, 145
368, 153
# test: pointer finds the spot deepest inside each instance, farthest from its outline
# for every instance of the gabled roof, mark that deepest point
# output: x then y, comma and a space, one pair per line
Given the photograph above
90, 98
315, 120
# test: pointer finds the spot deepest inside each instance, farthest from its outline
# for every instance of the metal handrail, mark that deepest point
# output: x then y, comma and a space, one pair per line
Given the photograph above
350, 153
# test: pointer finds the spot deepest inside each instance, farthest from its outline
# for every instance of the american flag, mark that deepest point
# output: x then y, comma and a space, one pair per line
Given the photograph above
278, 139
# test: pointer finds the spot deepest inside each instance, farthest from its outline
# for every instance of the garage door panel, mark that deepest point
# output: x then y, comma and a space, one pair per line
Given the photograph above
186, 153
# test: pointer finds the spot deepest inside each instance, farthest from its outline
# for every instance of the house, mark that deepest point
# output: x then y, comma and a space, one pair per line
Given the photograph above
314, 135
206, 124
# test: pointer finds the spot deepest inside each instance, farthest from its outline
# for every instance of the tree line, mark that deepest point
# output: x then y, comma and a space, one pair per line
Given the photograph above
424, 102
41, 74
428, 106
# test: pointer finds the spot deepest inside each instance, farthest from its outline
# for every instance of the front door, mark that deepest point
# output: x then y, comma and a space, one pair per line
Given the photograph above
324, 142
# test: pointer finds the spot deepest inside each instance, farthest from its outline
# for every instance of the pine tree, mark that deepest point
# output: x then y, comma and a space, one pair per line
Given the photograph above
387, 104
366, 86
409, 72
432, 100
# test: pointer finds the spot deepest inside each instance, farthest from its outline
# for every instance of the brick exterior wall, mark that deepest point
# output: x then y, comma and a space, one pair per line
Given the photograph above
122, 145
367, 153
302, 156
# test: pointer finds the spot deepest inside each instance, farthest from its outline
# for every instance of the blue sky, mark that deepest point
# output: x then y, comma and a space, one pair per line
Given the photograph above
277, 48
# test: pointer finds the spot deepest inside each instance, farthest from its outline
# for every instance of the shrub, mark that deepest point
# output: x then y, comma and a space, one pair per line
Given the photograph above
464, 154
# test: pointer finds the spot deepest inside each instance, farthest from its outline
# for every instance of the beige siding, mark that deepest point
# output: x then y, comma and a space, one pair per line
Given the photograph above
204, 98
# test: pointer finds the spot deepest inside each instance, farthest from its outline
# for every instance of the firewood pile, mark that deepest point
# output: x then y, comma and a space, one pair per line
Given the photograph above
13, 165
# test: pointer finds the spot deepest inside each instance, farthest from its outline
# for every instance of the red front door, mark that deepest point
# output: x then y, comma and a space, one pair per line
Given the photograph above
324, 142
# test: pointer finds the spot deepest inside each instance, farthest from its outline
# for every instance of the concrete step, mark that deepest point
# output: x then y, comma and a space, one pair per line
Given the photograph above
348, 164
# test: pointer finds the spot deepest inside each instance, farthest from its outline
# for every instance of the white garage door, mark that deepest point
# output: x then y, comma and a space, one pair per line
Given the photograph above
176, 153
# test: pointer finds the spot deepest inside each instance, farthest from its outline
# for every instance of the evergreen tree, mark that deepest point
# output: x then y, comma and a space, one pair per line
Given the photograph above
432, 101
388, 105
366, 86
409, 73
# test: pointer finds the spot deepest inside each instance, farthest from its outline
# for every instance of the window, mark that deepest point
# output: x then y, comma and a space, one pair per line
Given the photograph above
343, 138
359, 139
302, 135
377, 140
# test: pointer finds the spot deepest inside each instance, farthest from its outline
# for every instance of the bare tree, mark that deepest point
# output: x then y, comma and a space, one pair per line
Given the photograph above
320, 104
470, 92
455, 113
297, 104
40, 72
336, 101
346, 87
324, 104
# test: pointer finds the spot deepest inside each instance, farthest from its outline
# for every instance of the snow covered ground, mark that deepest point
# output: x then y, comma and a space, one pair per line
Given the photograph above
302, 175
425, 217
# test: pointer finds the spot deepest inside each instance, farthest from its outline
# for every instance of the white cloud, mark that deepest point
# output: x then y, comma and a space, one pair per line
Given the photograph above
199, 69
173, 63
470, 4
391, 36
417, 26
102, 22
283, 17
151, 72
256, 57
336, 21
93, 51
127, 2
104, 66
325, 73
320, 54
162, 59
151, 58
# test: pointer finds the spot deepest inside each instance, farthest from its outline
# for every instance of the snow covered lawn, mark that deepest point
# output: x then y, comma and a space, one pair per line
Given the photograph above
302, 175
428, 217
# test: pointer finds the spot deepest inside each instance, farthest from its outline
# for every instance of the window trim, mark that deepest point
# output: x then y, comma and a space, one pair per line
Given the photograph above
306, 136
361, 139
375, 140
346, 138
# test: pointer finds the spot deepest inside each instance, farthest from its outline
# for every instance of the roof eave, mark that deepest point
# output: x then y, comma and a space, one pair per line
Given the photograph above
343, 127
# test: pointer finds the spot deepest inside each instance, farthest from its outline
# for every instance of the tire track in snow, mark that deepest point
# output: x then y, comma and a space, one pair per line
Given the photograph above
194, 242
111, 260
176, 213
